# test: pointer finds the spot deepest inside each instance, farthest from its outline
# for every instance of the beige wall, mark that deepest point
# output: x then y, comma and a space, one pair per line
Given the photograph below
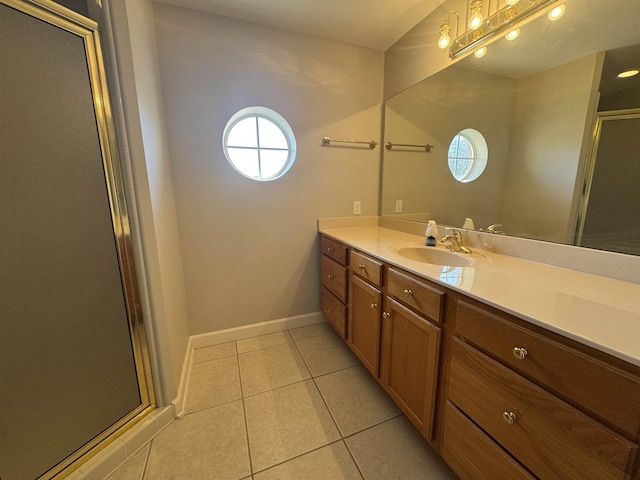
145, 152
545, 156
250, 249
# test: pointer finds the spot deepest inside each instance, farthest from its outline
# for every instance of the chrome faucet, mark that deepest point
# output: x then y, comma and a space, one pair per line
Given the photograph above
455, 241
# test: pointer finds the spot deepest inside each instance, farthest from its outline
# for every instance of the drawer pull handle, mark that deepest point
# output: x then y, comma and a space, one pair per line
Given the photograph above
520, 352
374, 306
331, 310
329, 249
386, 314
407, 293
361, 266
509, 417
330, 275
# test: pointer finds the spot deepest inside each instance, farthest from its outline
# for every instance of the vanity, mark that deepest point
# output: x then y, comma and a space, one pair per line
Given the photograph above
508, 368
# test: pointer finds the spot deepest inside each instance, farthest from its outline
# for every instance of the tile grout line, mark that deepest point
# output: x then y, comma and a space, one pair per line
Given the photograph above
244, 412
342, 438
298, 456
146, 461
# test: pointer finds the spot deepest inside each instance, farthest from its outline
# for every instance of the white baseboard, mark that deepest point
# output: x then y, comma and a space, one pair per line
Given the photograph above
246, 331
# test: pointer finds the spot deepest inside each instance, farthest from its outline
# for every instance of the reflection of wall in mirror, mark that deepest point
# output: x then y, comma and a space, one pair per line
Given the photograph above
552, 122
434, 112
537, 129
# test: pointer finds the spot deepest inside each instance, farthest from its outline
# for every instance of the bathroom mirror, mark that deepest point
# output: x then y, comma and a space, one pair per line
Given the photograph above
540, 102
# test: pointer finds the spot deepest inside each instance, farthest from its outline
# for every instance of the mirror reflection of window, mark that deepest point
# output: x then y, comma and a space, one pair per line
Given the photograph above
467, 156
462, 156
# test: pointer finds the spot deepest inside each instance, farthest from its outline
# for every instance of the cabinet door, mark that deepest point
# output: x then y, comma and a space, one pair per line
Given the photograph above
364, 323
411, 351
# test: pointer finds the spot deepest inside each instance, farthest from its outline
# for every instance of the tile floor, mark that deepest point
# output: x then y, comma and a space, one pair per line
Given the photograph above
290, 405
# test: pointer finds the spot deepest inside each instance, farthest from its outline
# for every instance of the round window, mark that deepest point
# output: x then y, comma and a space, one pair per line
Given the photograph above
467, 155
259, 143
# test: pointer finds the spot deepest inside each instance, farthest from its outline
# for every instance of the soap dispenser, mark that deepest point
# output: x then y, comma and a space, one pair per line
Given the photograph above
431, 233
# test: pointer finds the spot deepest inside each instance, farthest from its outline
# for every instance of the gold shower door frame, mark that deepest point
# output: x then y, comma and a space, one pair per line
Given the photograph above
76, 24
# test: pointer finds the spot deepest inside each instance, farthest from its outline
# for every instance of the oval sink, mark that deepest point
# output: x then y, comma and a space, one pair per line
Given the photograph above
434, 256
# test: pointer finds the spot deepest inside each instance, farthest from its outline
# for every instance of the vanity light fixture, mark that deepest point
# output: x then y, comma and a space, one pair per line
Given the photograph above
629, 73
506, 20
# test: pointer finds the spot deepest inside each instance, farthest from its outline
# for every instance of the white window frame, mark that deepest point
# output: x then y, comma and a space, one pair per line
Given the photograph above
276, 119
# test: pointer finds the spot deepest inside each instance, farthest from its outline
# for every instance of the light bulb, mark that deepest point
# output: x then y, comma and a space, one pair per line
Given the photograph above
628, 73
511, 2
444, 40
557, 12
476, 20
513, 34
481, 52
476, 15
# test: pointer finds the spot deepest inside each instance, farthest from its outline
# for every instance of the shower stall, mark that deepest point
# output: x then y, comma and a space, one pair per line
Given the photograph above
74, 366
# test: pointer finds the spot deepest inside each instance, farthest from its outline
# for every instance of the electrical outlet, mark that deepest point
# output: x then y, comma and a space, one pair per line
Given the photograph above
356, 207
398, 206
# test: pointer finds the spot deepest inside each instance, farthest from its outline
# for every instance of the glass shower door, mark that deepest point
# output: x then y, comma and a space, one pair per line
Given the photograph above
73, 361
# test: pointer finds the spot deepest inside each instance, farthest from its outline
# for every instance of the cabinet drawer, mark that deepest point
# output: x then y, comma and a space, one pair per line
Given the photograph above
366, 267
472, 454
334, 277
577, 376
333, 249
415, 294
334, 311
551, 438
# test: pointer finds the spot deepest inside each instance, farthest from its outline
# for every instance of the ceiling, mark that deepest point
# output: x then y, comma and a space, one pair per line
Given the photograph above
375, 24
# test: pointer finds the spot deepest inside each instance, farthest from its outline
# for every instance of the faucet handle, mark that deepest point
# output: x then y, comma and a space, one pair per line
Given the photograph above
455, 232
494, 228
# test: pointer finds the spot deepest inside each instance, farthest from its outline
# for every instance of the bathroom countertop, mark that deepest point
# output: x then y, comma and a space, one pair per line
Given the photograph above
601, 312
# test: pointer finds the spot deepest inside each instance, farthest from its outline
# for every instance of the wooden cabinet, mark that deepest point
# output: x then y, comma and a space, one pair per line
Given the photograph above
575, 375
558, 411
365, 309
411, 346
473, 455
551, 438
364, 323
416, 294
334, 275
495, 395
411, 350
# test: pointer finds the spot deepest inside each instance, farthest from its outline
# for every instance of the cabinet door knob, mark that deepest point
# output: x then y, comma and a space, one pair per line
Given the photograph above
374, 306
407, 293
330, 275
361, 266
520, 352
386, 314
329, 249
509, 417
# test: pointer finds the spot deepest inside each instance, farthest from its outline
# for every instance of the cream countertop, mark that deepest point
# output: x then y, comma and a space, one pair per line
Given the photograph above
597, 311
